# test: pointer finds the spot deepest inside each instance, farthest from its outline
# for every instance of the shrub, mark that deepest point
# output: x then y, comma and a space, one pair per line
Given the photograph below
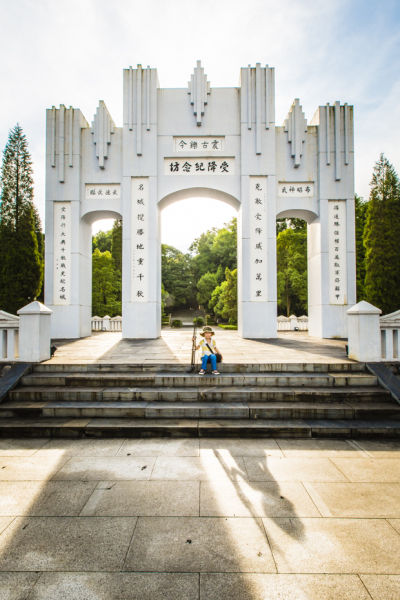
227, 326
176, 323
199, 321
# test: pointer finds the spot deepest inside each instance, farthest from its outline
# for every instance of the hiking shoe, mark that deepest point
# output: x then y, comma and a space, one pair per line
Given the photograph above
216, 373
201, 372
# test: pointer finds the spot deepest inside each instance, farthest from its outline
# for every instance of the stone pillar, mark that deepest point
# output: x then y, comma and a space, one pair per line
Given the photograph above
331, 236
364, 332
34, 332
257, 297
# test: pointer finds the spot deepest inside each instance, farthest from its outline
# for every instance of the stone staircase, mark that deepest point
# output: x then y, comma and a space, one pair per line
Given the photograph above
272, 400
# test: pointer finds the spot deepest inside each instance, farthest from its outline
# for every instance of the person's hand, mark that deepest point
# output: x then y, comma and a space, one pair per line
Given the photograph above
194, 338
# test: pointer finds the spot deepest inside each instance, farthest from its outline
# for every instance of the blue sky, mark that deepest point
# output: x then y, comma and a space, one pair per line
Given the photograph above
73, 53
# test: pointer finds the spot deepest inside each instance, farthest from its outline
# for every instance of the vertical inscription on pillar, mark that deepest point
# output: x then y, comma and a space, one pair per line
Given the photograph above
62, 253
258, 238
139, 237
337, 252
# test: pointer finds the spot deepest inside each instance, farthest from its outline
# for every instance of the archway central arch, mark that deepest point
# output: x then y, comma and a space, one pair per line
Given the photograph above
197, 210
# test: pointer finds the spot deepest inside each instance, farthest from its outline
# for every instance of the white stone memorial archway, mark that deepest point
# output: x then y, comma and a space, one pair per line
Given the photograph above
194, 141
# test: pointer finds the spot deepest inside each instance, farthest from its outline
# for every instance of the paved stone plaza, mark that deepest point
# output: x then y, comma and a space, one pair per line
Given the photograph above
207, 519
175, 345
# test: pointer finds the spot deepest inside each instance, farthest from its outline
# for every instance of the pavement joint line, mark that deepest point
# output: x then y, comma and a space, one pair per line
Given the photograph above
269, 546
304, 485
130, 543
338, 468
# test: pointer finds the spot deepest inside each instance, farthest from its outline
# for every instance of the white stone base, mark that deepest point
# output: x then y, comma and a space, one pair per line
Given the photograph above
141, 320
257, 320
327, 321
70, 322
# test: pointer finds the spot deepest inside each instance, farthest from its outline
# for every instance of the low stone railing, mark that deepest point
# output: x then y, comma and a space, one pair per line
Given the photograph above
107, 323
373, 338
26, 337
9, 336
292, 323
390, 336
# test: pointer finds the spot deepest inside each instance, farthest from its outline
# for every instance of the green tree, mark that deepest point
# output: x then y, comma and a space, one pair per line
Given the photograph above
206, 285
291, 249
177, 276
116, 244
361, 215
215, 298
226, 306
381, 238
21, 238
224, 248
103, 241
203, 259
105, 285
217, 248
292, 223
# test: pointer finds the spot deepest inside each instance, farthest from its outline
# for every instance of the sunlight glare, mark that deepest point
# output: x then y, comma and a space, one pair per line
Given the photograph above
184, 221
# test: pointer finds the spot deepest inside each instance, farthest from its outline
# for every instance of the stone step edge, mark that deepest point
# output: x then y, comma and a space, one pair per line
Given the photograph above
166, 405
344, 367
291, 390
197, 428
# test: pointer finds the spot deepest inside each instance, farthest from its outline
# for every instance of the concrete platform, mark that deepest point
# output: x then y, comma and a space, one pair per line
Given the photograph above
174, 346
199, 519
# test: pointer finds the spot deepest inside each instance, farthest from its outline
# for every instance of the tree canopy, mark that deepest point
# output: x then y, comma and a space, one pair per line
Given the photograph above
21, 238
291, 250
381, 238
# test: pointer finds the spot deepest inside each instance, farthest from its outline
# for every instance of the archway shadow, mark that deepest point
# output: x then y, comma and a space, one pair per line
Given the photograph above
240, 478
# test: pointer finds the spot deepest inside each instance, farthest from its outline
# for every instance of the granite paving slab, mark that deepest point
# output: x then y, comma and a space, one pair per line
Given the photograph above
369, 469
65, 543
38, 468
144, 499
255, 586
380, 448
319, 448
241, 447
255, 499
204, 468
16, 586
358, 500
68, 447
334, 545
160, 447
382, 587
101, 468
36, 498
116, 586
198, 544
21, 446
292, 469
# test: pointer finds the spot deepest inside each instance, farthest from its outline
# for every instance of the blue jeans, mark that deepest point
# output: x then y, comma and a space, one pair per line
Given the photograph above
204, 361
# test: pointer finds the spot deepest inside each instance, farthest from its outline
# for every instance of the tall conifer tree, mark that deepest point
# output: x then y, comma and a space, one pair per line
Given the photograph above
21, 239
361, 215
382, 239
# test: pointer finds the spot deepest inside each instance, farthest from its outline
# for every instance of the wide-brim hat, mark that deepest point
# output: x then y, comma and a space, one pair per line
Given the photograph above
207, 329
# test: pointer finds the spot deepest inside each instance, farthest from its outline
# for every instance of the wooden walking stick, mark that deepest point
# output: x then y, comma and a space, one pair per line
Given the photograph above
193, 359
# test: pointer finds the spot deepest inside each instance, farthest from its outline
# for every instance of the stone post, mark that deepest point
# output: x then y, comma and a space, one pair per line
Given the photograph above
364, 332
34, 332
293, 323
106, 323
